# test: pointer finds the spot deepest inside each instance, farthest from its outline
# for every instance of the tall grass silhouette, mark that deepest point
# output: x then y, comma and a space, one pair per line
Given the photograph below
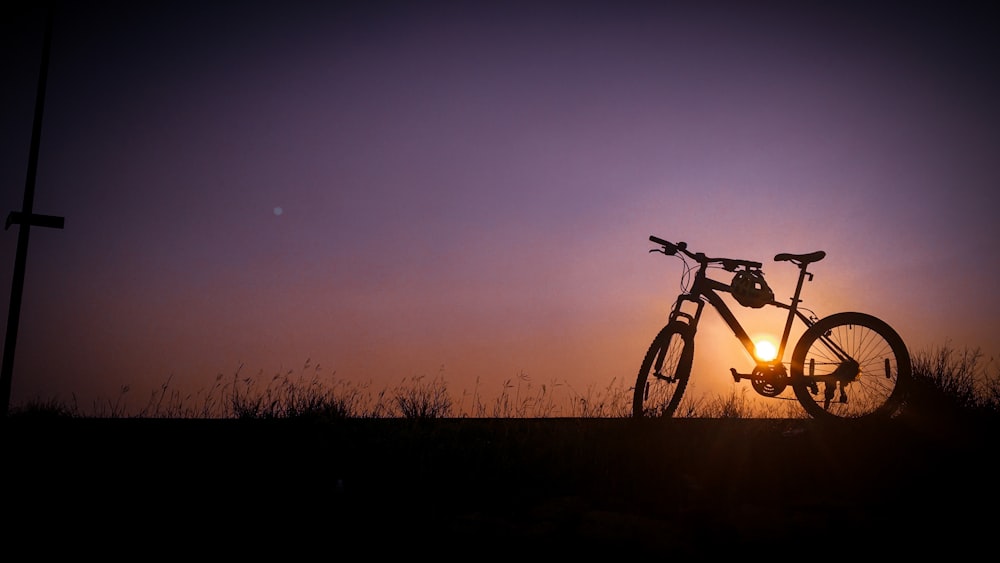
949, 383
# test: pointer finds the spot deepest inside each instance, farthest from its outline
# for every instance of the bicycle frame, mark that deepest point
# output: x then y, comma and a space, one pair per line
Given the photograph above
707, 289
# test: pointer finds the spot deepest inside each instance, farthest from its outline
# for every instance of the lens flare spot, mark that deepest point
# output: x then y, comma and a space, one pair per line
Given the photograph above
278, 211
765, 350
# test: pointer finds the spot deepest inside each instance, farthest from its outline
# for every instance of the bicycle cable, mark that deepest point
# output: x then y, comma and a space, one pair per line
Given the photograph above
812, 314
685, 275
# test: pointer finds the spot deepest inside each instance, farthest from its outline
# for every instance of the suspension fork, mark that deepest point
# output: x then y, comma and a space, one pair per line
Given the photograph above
684, 311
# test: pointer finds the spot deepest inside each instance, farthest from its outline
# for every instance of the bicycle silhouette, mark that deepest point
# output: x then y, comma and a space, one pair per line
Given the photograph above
845, 366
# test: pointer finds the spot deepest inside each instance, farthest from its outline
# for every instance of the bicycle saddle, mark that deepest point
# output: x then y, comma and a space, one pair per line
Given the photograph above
800, 258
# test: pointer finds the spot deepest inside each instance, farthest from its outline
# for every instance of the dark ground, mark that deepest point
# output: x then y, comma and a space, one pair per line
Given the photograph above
461, 489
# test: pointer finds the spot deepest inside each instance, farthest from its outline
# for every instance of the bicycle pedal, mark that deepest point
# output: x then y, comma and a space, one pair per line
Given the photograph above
736, 376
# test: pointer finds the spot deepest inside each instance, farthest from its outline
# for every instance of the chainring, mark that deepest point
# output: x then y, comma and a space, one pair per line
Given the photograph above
769, 381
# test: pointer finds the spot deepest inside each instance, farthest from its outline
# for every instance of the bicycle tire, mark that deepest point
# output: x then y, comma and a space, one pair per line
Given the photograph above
673, 348
873, 387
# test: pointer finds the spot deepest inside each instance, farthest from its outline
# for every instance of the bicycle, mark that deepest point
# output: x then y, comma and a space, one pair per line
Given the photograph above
847, 365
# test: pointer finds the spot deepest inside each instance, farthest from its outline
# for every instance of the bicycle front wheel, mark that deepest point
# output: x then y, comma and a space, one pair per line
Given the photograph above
850, 365
664, 373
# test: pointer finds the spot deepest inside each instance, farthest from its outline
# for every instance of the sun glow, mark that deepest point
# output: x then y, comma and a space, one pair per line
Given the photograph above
765, 350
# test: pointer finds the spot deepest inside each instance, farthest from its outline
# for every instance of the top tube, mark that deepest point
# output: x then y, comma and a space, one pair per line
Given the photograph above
728, 264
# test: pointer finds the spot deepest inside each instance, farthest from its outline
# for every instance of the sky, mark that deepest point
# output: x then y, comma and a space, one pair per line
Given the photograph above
465, 190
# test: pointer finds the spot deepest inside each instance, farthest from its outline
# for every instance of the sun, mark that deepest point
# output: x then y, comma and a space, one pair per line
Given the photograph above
765, 350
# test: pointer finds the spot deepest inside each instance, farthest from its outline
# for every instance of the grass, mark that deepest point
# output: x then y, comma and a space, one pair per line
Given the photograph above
949, 383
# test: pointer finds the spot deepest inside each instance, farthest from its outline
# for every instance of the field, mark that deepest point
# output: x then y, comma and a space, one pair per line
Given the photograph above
295, 471
471, 488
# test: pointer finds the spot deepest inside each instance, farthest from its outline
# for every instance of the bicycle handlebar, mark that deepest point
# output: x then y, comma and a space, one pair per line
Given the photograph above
728, 264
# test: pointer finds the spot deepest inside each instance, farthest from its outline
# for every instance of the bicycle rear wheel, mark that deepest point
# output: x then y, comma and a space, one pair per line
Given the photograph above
664, 373
850, 365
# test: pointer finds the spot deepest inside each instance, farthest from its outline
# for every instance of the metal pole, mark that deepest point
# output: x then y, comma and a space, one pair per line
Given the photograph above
24, 229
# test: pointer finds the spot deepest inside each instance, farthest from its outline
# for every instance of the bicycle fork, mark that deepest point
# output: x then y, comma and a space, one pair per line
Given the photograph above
678, 312
690, 320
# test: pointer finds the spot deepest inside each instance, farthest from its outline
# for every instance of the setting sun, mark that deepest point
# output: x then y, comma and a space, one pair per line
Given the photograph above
765, 350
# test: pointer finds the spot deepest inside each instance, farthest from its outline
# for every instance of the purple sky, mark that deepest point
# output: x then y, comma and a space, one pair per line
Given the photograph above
467, 189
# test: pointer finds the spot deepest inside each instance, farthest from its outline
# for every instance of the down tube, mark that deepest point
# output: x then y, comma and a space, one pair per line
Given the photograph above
730, 319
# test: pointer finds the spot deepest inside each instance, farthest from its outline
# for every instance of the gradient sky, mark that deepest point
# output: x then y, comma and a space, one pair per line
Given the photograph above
404, 189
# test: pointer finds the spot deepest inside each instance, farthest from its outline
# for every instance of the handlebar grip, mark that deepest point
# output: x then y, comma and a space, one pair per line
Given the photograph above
669, 248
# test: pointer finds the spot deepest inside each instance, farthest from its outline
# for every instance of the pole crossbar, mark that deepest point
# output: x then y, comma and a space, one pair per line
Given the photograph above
25, 219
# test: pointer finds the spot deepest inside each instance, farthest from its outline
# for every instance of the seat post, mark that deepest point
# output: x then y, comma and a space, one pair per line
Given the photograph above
793, 308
